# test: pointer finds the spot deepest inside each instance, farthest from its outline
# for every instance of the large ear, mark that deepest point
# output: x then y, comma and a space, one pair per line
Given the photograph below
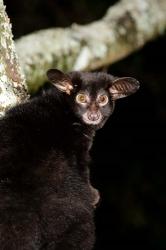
60, 80
124, 86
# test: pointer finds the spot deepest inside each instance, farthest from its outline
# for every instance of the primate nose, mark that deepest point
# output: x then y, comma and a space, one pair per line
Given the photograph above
93, 116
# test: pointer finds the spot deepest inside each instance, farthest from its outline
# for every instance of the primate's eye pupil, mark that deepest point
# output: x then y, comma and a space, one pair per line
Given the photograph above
103, 99
81, 98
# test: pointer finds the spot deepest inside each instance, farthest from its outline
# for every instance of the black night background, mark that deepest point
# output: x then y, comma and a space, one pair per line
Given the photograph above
129, 153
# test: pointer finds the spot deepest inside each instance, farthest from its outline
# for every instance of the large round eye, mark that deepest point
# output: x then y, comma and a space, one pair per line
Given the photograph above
81, 98
102, 100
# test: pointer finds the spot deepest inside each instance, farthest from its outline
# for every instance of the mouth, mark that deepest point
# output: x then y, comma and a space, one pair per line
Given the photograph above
92, 120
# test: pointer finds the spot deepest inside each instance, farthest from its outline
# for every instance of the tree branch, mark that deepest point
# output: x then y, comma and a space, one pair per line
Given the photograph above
126, 27
12, 83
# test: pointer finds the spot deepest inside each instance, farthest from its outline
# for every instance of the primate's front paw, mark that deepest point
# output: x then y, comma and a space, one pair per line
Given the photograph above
96, 196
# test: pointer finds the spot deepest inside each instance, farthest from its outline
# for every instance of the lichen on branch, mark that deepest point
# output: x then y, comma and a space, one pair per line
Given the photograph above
126, 27
12, 81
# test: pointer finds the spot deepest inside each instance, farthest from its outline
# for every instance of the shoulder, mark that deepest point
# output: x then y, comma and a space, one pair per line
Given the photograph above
37, 107
37, 113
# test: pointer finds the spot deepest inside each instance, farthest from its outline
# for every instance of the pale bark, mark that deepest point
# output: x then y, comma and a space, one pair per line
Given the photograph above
126, 27
12, 83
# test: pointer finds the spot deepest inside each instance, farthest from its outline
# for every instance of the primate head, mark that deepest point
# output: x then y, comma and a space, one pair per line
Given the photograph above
92, 96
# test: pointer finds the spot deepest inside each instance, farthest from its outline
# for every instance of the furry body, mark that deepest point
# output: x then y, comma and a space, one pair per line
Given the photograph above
42, 186
46, 200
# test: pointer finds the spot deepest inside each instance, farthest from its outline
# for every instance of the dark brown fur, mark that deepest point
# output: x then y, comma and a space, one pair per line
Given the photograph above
46, 200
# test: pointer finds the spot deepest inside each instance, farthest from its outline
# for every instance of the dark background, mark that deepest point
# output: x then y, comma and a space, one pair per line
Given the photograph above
129, 154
